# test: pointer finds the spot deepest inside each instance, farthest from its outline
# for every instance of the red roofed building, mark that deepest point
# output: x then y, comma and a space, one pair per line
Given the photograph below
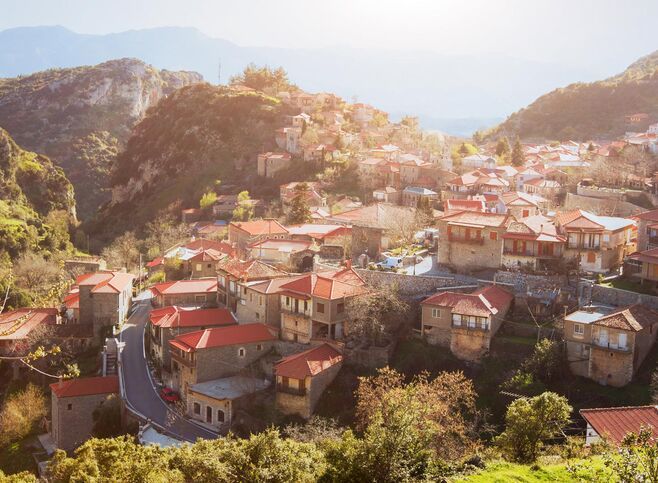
465, 322
16, 326
452, 206
218, 352
104, 298
172, 321
73, 404
532, 242
241, 234
471, 240
302, 378
613, 424
198, 292
314, 305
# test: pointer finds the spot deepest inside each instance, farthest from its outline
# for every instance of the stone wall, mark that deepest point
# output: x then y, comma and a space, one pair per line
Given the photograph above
411, 285
615, 296
72, 419
612, 368
372, 357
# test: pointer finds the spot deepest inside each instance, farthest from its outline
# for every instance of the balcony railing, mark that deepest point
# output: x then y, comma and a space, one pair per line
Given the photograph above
463, 239
580, 246
291, 390
610, 345
182, 360
296, 312
478, 327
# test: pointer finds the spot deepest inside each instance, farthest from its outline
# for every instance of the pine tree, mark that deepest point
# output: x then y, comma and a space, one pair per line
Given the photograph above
502, 148
299, 211
518, 156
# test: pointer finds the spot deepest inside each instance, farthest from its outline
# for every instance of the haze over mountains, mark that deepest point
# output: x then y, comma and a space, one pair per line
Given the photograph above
456, 94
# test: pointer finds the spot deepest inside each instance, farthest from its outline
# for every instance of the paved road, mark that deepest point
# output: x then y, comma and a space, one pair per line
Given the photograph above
140, 393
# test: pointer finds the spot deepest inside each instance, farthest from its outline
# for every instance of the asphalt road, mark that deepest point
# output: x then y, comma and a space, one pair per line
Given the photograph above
140, 393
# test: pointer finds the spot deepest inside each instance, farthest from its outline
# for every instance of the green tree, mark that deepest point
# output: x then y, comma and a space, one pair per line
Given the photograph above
208, 199
245, 209
298, 210
107, 419
263, 79
424, 211
503, 148
374, 316
518, 156
637, 458
21, 413
531, 421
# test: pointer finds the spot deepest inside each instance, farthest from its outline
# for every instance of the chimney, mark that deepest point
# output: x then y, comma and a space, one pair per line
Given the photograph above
61, 382
348, 264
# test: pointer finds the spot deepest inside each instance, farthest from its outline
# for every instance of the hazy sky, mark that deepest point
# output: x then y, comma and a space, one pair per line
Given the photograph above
609, 32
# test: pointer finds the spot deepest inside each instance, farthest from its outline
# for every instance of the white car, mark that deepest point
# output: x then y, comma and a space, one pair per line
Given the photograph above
391, 262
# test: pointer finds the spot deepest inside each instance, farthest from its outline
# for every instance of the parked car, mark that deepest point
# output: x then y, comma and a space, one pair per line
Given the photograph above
390, 263
169, 395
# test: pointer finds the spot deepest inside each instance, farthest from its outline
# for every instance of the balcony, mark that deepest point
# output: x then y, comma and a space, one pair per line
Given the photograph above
294, 312
463, 239
291, 390
610, 345
476, 327
182, 360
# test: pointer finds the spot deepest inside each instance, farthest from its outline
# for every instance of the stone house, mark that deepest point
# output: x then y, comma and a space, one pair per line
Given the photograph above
260, 301
202, 264
597, 243
241, 234
201, 292
610, 347
104, 299
465, 323
172, 321
234, 275
302, 378
521, 205
218, 352
456, 205
643, 266
532, 242
73, 404
542, 187
269, 164
388, 194
226, 204
647, 230
313, 306
17, 326
216, 402
469, 240
315, 198
293, 255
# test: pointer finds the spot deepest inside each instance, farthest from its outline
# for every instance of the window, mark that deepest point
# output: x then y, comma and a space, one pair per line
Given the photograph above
198, 267
578, 330
340, 308
197, 408
305, 305
220, 416
456, 319
591, 257
287, 300
493, 235
209, 265
257, 316
241, 352
208, 414
436, 313
69, 406
260, 300
320, 308
259, 347
606, 238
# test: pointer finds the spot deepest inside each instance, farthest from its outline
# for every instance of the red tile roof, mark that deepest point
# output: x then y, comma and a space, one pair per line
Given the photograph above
260, 227
86, 386
174, 316
223, 336
483, 302
17, 324
615, 423
474, 218
464, 205
308, 363
326, 285
205, 244
651, 215
200, 285
155, 262
251, 270
634, 317
106, 282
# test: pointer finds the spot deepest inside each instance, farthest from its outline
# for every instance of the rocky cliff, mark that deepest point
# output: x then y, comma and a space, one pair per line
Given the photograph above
80, 117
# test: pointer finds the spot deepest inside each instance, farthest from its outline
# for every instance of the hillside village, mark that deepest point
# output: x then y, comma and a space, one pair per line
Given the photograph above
366, 244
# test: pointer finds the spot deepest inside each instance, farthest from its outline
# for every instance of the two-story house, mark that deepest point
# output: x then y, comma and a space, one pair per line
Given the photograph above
412, 195
532, 242
104, 299
302, 378
521, 205
465, 323
233, 275
597, 243
647, 230
172, 321
610, 347
313, 306
260, 301
269, 164
471, 240
216, 353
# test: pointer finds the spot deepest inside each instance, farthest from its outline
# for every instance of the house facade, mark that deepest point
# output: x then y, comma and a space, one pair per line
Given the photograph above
465, 323
532, 242
233, 277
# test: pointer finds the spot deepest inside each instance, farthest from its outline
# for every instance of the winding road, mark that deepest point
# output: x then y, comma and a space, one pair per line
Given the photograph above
140, 394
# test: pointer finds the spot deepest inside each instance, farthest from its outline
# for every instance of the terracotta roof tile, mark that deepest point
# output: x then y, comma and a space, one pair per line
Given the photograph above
223, 336
199, 285
308, 363
615, 423
174, 316
86, 386
634, 317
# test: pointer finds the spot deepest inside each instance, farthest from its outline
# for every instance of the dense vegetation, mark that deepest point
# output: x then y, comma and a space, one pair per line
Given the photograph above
584, 111
78, 116
189, 140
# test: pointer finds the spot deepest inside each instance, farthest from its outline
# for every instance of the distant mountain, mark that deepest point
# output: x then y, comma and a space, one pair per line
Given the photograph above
585, 111
36, 201
192, 138
418, 83
81, 116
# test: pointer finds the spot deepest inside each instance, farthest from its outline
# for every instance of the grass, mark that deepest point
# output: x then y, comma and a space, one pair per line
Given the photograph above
625, 284
500, 471
17, 456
